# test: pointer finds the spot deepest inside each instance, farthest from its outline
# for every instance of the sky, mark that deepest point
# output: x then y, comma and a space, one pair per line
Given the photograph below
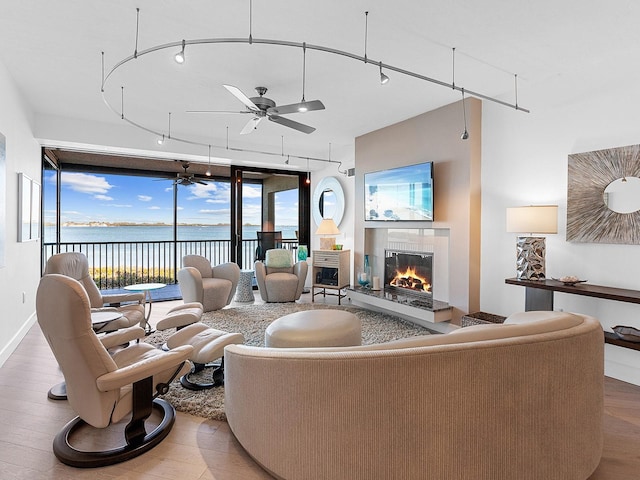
90, 197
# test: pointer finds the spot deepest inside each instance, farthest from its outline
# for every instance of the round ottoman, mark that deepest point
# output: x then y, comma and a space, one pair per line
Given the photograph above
314, 328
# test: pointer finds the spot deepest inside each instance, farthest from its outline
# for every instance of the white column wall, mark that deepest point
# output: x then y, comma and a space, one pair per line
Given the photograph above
20, 275
524, 161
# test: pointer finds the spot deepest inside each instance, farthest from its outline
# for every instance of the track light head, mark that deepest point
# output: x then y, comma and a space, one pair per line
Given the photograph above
160, 140
383, 78
179, 57
465, 134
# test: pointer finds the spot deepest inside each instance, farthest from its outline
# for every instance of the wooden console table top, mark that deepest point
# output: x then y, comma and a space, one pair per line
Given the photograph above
585, 289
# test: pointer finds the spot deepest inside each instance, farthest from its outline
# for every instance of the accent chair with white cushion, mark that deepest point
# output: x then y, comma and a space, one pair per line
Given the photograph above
278, 278
104, 389
489, 402
76, 266
212, 286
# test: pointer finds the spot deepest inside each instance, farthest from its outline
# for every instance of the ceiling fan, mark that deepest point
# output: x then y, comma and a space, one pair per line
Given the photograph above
262, 107
185, 178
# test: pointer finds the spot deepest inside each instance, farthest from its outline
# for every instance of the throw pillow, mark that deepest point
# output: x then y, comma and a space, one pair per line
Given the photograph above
279, 258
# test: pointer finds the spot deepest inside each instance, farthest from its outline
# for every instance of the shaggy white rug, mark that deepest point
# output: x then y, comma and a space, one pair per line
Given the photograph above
252, 321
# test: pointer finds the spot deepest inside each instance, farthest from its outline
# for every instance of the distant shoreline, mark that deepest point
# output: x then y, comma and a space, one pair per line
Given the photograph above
129, 224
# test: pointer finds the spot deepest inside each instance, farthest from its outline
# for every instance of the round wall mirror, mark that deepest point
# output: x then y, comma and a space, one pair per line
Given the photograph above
623, 195
328, 200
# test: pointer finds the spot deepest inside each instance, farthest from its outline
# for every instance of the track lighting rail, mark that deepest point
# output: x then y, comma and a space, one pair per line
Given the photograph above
320, 48
182, 44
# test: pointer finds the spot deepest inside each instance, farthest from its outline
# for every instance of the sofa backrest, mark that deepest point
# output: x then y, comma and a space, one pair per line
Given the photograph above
498, 401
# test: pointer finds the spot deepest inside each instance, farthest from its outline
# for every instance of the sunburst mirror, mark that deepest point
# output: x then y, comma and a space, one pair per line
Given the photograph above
603, 196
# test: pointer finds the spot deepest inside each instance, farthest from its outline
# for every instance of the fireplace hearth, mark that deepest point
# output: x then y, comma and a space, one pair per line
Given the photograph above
409, 273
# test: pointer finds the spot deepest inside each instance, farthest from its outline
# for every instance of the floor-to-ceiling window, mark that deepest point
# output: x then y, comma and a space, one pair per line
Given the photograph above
135, 225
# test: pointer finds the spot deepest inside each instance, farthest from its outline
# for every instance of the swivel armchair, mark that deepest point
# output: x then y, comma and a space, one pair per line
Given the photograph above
76, 266
213, 287
278, 278
104, 389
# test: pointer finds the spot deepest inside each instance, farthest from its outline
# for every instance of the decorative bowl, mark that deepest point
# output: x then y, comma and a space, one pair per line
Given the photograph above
570, 283
629, 334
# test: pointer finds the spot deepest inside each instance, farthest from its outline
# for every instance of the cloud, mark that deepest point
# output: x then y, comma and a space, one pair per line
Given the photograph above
203, 191
225, 211
116, 205
154, 207
86, 183
145, 198
105, 198
251, 192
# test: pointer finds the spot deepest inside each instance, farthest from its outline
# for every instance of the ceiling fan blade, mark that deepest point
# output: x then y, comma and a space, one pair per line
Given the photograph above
236, 92
251, 125
294, 107
201, 182
301, 127
216, 111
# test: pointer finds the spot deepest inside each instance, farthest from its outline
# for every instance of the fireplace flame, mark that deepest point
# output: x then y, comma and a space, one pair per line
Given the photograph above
411, 280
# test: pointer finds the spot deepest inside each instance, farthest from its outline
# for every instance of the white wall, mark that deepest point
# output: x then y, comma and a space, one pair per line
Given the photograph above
22, 270
524, 161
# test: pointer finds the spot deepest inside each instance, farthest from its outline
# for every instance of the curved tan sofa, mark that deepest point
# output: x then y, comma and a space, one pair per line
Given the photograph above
515, 401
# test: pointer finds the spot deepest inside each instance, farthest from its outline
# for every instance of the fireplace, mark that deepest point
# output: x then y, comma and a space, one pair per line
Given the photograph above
409, 272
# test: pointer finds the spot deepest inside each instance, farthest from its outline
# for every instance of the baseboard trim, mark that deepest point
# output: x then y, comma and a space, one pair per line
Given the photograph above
11, 346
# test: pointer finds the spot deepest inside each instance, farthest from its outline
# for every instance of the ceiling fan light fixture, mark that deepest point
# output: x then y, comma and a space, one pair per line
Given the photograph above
160, 140
179, 57
383, 78
302, 107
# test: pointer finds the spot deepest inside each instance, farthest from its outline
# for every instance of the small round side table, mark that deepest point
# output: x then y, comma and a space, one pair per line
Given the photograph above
244, 290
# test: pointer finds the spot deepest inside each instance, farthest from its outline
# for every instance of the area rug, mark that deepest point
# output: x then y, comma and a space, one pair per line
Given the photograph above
252, 321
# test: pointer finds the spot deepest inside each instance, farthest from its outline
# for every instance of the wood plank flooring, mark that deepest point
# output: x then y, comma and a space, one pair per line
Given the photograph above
200, 449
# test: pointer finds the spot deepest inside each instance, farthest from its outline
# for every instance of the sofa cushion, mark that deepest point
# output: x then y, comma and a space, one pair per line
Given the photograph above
279, 258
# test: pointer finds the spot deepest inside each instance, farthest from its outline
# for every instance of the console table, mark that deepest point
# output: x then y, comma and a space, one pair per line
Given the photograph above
539, 296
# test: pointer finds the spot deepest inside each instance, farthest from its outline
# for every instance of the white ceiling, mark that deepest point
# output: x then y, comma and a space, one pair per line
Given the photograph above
560, 50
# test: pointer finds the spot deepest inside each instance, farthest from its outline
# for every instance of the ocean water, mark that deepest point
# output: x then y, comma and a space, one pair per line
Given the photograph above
145, 233
129, 255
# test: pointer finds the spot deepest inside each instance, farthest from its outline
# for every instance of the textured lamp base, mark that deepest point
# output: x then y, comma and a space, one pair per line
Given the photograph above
530, 263
327, 243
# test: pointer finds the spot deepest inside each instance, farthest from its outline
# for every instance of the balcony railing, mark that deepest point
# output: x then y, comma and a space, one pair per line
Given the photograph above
117, 264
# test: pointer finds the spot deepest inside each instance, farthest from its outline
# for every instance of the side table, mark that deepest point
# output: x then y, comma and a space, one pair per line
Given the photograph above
244, 290
146, 288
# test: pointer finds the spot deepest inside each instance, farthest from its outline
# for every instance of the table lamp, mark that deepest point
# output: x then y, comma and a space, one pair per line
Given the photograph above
327, 231
530, 263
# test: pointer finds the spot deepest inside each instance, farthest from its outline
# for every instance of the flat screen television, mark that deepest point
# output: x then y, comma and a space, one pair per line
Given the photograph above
400, 194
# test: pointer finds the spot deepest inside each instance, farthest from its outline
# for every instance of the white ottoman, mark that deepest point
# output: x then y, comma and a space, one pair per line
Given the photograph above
314, 328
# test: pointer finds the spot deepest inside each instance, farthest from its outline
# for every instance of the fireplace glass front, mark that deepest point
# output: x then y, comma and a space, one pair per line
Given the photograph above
409, 272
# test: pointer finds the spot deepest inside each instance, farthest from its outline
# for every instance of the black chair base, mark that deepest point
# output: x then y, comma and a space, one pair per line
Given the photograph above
69, 455
217, 377
58, 392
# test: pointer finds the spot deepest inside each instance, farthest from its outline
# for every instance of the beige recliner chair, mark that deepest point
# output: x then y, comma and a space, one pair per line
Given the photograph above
104, 389
76, 266
213, 287
279, 280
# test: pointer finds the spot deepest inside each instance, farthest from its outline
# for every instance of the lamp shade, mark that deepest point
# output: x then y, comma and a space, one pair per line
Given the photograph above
327, 227
533, 219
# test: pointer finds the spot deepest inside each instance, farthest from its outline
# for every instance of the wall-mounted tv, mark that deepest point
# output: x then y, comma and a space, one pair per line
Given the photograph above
400, 194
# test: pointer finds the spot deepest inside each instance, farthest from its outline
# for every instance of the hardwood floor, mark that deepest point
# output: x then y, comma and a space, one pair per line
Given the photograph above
199, 449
